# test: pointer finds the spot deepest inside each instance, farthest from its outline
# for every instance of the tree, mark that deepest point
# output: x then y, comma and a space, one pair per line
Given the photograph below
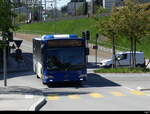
134, 20
109, 28
6, 17
6, 25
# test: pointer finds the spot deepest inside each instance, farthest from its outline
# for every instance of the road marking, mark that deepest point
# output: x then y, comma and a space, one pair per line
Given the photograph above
74, 96
135, 92
53, 97
128, 88
29, 96
96, 95
117, 93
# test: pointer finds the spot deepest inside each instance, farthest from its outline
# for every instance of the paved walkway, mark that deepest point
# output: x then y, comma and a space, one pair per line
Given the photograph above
24, 98
17, 98
22, 66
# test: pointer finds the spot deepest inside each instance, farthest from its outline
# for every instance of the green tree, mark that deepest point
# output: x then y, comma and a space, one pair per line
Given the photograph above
134, 21
109, 28
6, 17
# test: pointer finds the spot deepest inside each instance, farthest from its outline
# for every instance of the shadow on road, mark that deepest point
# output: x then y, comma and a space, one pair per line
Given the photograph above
18, 69
93, 80
22, 90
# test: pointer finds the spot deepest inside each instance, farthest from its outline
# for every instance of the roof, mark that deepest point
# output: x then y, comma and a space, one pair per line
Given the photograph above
58, 37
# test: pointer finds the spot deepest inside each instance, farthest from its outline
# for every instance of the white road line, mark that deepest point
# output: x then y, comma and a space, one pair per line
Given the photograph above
29, 96
134, 90
128, 88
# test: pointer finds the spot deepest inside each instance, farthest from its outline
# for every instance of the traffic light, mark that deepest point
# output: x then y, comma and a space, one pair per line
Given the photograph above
10, 36
88, 35
83, 35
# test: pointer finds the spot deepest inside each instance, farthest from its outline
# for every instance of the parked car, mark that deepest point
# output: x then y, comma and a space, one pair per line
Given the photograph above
123, 60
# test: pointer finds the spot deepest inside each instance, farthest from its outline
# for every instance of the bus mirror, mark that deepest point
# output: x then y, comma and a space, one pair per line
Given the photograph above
87, 51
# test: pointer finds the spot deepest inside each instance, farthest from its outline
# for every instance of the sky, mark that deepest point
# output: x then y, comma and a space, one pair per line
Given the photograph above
60, 3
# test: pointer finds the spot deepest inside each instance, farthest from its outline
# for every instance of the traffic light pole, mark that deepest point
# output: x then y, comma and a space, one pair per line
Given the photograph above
97, 35
5, 67
4, 64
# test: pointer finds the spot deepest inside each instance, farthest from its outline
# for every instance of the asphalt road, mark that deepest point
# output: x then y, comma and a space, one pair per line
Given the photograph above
104, 92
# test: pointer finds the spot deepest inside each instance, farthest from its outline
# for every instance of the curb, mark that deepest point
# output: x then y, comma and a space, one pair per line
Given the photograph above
36, 106
143, 89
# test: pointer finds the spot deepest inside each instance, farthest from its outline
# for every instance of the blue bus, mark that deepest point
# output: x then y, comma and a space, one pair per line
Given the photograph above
60, 58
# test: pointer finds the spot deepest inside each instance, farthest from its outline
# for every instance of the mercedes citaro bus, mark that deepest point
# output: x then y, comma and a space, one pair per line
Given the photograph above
60, 58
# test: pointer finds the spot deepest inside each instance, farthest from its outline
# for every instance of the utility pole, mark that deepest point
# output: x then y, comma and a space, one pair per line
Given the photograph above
55, 14
4, 63
97, 35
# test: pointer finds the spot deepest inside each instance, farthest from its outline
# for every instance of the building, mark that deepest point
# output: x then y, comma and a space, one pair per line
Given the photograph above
107, 4
32, 8
77, 7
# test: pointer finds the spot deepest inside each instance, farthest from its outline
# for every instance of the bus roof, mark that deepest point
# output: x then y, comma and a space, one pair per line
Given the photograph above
60, 36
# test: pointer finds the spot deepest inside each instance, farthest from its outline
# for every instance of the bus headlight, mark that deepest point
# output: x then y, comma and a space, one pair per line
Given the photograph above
82, 76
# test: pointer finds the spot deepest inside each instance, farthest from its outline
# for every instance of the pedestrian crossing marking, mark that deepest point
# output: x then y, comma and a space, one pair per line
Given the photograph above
96, 95
117, 93
53, 97
74, 96
135, 92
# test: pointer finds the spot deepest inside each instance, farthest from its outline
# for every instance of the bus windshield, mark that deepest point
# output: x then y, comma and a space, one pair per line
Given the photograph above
65, 59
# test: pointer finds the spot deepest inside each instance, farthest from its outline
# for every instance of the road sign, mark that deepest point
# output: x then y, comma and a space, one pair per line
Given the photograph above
18, 42
13, 47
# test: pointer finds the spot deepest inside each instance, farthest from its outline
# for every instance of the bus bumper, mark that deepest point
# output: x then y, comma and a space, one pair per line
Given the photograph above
55, 80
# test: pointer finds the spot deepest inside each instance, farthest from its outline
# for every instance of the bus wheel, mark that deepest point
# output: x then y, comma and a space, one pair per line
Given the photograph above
44, 83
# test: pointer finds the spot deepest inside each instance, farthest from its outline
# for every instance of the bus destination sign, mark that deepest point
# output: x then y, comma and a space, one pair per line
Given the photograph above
65, 43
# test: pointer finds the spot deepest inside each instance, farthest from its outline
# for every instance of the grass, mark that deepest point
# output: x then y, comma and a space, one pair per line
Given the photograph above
73, 26
122, 70
77, 26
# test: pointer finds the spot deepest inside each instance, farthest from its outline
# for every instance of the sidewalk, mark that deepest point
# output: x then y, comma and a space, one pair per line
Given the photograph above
22, 66
17, 98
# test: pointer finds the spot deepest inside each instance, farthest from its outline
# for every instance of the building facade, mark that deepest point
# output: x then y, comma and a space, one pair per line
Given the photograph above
32, 8
107, 4
77, 7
